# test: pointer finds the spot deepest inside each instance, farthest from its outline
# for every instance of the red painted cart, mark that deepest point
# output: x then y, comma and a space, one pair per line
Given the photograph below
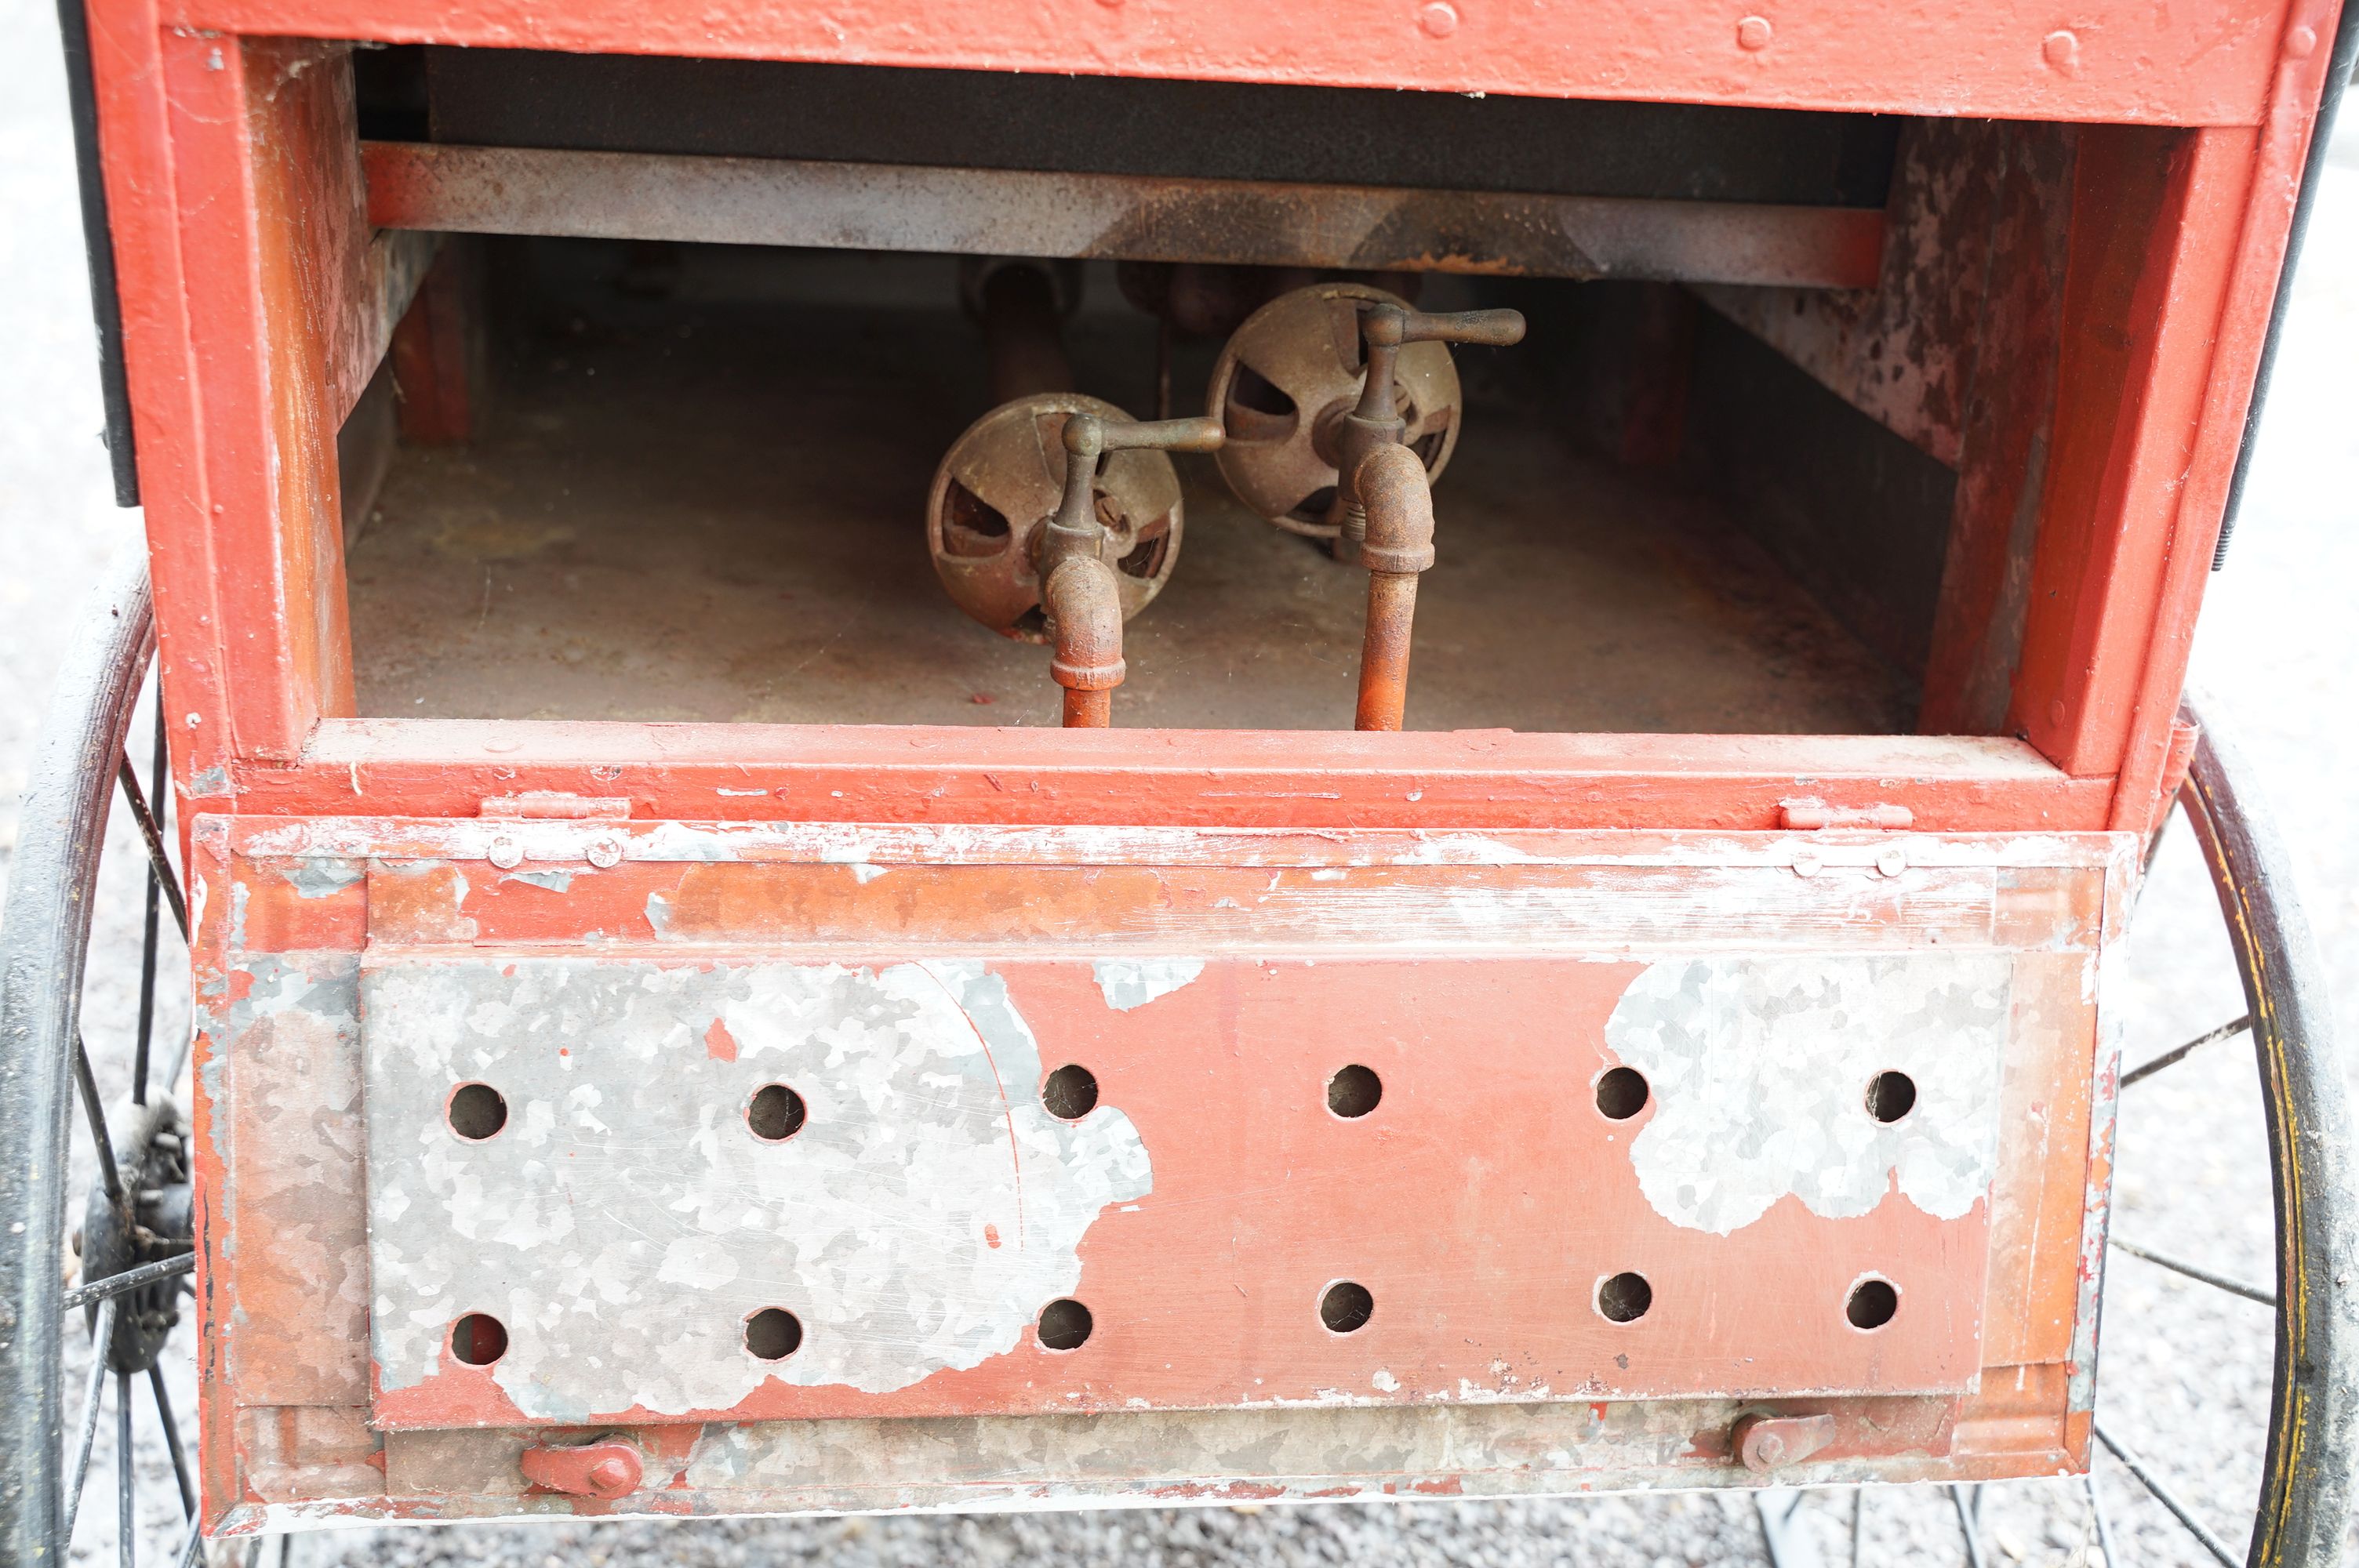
684, 1029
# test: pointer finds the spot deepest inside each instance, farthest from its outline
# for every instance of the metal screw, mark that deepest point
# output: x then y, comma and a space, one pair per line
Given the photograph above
1892, 861
1753, 34
605, 853
1438, 19
2062, 51
1806, 863
505, 853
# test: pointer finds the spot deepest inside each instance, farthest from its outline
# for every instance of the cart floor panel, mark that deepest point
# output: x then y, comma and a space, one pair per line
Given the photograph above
714, 511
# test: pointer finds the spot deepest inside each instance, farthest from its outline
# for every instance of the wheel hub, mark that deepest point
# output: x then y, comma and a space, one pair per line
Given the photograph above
153, 1219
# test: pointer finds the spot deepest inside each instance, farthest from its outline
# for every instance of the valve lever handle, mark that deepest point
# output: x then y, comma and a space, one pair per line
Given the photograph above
1376, 421
1079, 592
1087, 435
1390, 325
1075, 530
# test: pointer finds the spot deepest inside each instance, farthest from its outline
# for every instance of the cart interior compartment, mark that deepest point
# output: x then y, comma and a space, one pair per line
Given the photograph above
696, 487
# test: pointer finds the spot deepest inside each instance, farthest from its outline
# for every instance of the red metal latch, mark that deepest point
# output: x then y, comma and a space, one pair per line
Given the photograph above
1767, 1442
609, 1467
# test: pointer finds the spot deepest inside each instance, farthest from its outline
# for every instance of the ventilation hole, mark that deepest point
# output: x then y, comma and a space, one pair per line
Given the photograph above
972, 525
1071, 1092
1065, 1324
1891, 1096
1354, 1092
1145, 557
476, 1111
1250, 389
1624, 1298
1314, 505
1872, 1303
1346, 1307
774, 1334
1622, 1093
478, 1340
776, 1113
1428, 446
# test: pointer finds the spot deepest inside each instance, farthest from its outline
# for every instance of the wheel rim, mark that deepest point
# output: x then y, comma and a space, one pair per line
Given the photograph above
133, 1230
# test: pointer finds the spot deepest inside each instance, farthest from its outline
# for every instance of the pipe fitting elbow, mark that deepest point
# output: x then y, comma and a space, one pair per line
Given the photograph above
1399, 497
1083, 605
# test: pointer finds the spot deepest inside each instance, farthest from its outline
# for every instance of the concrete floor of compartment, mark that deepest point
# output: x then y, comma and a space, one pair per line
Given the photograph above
712, 511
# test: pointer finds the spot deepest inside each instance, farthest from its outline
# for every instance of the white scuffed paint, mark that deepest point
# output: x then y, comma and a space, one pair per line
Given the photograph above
1127, 983
625, 1249
1760, 1070
859, 857
1461, 850
322, 878
894, 844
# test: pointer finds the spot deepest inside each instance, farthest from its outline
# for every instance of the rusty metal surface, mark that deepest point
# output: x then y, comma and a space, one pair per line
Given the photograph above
518, 190
1398, 547
1378, 419
1001, 483
1288, 379
1081, 557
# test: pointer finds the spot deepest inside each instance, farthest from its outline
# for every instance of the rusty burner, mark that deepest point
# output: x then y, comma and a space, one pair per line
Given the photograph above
1288, 379
1055, 517
1081, 596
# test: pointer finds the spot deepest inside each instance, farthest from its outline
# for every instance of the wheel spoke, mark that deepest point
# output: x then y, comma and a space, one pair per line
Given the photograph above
173, 1442
2217, 1281
113, 1285
147, 939
193, 1548
126, 1494
1968, 1526
2164, 1496
1774, 1509
108, 1176
2148, 1069
2104, 1526
93, 1391
158, 861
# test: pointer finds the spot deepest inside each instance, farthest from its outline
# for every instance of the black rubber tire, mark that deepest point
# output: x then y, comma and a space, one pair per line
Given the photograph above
44, 942
2313, 1442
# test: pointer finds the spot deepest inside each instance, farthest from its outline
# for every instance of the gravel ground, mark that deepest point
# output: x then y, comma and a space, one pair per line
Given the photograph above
2186, 1367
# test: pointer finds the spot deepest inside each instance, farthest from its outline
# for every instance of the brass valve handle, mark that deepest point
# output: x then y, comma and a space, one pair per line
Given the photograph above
1376, 421
1075, 529
1389, 325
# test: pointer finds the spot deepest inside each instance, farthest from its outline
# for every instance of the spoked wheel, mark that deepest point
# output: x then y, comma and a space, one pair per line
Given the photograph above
106, 1268
2299, 1516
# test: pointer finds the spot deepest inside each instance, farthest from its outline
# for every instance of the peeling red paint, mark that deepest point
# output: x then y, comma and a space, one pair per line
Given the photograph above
719, 1043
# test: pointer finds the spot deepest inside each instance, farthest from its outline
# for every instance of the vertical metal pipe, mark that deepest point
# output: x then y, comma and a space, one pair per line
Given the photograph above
1383, 651
1088, 709
1022, 334
1398, 547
